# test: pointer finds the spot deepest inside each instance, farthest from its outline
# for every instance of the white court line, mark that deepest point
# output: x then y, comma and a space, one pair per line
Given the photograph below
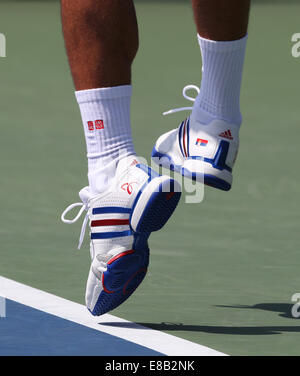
63, 308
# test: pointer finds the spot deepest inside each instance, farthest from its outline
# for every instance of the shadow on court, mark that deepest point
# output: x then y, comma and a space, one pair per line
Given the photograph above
283, 308
234, 330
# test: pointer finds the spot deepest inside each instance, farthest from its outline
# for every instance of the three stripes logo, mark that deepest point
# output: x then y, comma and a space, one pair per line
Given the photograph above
107, 228
184, 137
227, 134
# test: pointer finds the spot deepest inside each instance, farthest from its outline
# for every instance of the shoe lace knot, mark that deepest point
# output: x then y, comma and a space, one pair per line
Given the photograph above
184, 93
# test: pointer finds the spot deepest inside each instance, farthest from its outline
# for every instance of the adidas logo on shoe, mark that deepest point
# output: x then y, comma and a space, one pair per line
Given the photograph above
227, 134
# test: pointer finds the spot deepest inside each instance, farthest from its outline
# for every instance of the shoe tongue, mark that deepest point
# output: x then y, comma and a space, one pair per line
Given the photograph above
126, 163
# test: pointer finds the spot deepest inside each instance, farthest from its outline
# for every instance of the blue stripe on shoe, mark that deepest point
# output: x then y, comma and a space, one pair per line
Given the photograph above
137, 198
179, 138
108, 235
111, 209
152, 174
208, 179
188, 136
219, 161
148, 170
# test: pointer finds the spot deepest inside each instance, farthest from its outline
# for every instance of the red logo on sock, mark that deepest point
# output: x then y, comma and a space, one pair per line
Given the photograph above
90, 125
99, 124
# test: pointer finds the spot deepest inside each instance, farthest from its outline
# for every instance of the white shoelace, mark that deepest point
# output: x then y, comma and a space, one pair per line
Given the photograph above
84, 206
102, 267
192, 99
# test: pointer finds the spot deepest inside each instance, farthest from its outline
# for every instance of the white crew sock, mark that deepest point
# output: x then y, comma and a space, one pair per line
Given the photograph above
222, 67
105, 114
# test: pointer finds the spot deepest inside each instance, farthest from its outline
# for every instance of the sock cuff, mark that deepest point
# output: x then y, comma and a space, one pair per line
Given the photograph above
222, 46
94, 95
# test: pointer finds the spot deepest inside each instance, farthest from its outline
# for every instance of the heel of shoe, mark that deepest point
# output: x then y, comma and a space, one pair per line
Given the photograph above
204, 172
155, 205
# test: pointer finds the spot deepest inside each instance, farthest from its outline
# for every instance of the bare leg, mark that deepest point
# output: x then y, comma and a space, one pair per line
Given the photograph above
101, 38
221, 20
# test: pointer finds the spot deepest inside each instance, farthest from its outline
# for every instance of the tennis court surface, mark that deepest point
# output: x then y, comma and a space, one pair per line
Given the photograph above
222, 272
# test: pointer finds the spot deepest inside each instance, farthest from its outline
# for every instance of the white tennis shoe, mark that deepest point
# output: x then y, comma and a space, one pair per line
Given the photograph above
201, 152
121, 219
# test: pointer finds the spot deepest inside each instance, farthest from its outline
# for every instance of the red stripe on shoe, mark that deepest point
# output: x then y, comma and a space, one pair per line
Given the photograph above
141, 270
110, 222
104, 288
119, 256
111, 261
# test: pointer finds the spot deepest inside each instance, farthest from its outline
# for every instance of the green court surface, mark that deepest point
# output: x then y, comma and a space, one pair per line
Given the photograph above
223, 271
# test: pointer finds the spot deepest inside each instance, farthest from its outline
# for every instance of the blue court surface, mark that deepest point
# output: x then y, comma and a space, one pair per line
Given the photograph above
28, 331
34, 322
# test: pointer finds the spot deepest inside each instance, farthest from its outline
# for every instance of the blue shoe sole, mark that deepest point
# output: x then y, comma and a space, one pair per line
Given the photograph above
159, 209
121, 279
127, 271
